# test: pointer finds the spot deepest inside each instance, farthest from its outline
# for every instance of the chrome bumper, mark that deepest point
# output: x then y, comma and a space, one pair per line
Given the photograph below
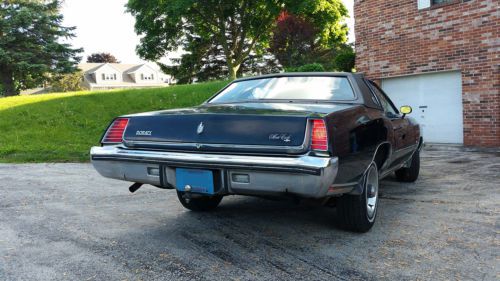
306, 176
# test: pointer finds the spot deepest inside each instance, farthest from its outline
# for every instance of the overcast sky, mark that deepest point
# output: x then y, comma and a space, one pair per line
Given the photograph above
104, 26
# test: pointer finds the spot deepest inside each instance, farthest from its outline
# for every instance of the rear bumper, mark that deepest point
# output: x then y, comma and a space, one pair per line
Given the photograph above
305, 176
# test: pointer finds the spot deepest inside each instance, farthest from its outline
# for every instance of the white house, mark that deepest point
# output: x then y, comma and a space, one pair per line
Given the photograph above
99, 76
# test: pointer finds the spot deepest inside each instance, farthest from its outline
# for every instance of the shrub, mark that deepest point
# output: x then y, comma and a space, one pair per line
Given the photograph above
67, 82
345, 60
312, 67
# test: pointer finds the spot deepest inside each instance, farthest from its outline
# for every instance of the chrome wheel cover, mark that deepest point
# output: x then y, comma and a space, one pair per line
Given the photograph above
371, 192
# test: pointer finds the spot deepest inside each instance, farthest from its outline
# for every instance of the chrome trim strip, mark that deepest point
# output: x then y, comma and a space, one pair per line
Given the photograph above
403, 164
387, 161
338, 189
387, 172
420, 144
197, 146
302, 164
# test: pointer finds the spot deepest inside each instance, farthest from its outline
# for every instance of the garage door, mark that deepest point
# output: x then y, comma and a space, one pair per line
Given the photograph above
436, 100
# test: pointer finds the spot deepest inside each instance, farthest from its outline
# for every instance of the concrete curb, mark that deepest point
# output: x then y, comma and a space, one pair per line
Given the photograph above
458, 147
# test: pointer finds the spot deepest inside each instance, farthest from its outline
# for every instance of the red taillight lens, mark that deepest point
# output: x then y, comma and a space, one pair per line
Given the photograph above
319, 137
114, 134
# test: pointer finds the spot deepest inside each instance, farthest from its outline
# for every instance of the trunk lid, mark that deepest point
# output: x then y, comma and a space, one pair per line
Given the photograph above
237, 127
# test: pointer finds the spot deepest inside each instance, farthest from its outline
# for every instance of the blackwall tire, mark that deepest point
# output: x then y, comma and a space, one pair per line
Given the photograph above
358, 212
411, 173
200, 204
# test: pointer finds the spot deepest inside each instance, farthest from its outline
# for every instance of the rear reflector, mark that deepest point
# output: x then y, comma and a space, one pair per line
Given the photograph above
115, 131
241, 178
319, 138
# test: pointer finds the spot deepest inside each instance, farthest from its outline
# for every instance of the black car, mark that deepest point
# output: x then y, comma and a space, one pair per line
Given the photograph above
329, 136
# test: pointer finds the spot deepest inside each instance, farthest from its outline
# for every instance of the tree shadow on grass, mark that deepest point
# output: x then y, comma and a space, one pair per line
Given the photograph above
65, 127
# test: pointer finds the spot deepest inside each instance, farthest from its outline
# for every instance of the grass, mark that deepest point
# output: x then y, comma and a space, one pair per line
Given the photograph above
62, 127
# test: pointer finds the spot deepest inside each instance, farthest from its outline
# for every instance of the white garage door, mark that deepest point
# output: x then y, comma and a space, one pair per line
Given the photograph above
436, 100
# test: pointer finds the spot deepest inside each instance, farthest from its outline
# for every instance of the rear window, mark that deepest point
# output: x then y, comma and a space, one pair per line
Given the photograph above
322, 88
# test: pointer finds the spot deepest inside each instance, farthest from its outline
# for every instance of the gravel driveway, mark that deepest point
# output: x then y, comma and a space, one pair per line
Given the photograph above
65, 222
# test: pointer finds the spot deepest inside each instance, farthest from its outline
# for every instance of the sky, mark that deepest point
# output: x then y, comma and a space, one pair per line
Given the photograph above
105, 26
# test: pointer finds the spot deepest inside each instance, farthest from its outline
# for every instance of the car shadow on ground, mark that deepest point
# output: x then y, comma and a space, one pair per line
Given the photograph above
249, 234
279, 216
273, 236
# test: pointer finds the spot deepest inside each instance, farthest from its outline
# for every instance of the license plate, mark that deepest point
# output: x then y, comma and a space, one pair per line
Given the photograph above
201, 181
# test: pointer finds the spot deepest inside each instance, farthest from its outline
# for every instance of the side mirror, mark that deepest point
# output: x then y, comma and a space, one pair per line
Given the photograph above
405, 109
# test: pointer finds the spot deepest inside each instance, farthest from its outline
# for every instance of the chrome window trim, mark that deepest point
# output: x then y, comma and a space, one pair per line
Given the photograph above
297, 74
197, 146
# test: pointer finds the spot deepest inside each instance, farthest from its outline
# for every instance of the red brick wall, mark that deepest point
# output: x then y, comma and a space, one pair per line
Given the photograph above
395, 38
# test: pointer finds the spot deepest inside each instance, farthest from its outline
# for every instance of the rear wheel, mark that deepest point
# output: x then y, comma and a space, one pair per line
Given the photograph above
199, 204
358, 212
410, 174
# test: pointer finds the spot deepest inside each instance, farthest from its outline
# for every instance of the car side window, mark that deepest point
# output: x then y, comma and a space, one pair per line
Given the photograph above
374, 98
388, 107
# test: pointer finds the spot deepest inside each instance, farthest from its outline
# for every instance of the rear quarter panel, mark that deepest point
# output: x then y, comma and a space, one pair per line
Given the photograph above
355, 135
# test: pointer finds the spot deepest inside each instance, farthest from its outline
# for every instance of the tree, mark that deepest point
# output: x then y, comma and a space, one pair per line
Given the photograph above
297, 41
312, 67
345, 59
67, 82
238, 27
102, 58
293, 41
205, 61
30, 45
258, 64
187, 68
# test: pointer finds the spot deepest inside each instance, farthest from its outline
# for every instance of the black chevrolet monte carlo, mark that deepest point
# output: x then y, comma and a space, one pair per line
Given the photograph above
328, 136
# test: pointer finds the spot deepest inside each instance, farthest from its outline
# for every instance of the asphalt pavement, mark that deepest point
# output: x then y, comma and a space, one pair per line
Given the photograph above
65, 222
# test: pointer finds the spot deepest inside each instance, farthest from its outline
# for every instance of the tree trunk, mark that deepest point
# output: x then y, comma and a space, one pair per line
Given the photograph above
7, 83
233, 70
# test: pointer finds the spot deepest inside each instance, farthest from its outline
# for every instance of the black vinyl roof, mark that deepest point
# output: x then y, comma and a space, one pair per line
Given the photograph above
300, 74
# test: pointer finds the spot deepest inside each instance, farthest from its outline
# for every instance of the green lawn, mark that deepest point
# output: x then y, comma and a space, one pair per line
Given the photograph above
62, 127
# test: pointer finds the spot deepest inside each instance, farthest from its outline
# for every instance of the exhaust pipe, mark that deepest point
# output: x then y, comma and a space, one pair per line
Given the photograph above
133, 188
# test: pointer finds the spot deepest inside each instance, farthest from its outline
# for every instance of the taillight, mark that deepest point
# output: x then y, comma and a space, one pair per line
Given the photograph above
114, 134
319, 136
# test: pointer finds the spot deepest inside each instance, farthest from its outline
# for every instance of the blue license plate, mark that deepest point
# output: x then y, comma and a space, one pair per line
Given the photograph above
201, 181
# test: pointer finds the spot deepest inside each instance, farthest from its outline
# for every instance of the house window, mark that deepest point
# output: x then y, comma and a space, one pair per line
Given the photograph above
146, 77
437, 2
422, 4
109, 76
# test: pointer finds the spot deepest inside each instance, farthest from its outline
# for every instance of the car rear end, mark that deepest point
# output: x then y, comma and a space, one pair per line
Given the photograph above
221, 153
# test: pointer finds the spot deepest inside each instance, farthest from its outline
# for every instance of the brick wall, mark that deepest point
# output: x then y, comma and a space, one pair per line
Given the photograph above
394, 38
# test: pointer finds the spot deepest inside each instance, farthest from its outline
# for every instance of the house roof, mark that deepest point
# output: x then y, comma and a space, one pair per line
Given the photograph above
121, 67
101, 65
136, 68
89, 67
